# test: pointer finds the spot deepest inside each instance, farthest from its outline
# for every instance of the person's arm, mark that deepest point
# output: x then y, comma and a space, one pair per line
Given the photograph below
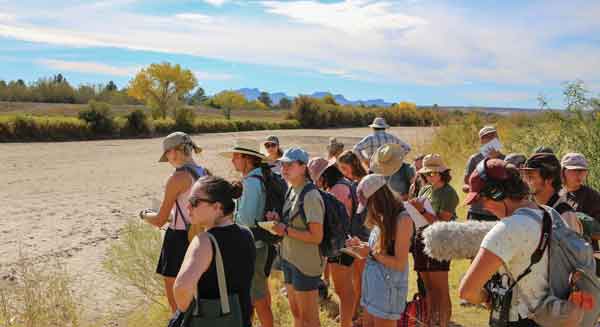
468, 170
358, 149
485, 264
252, 199
197, 259
404, 232
571, 220
177, 183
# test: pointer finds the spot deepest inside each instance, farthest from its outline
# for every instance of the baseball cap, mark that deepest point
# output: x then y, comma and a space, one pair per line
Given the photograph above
574, 161
516, 159
272, 139
172, 141
487, 130
317, 166
367, 187
542, 160
488, 170
294, 154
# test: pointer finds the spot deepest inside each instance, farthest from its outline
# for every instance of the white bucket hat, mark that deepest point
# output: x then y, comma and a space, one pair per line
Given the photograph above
244, 146
379, 122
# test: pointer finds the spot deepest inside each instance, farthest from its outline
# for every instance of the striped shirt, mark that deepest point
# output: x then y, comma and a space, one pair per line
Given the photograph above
370, 143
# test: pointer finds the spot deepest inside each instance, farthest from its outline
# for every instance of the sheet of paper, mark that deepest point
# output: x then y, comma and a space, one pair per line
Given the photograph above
416, 216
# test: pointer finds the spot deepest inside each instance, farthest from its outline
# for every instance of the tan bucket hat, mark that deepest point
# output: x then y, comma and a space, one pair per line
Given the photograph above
387, 159
244, 146
379, 122
433, 163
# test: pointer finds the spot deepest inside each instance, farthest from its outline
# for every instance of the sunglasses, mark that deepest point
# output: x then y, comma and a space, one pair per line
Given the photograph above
195, 201
270, 145
431, 173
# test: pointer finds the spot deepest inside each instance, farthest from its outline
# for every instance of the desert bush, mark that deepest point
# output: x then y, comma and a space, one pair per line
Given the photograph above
99, 117
38, 296
137, 123
184, 120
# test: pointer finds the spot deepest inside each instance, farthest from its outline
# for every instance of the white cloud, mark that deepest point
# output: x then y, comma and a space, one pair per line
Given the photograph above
350, 16
4, 17
194, 18
88, 67
215, 2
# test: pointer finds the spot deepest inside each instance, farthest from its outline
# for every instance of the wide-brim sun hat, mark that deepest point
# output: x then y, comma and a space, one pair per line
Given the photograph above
379, 122
244, 146
174, 140
387, 159
433, 163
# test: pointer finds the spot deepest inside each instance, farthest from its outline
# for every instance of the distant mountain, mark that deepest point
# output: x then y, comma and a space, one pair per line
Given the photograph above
253, 94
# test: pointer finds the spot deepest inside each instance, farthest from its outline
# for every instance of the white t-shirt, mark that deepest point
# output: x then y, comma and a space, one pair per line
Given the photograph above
513, 240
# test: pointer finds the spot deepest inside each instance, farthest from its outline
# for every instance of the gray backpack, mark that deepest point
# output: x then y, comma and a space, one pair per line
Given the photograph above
568, 253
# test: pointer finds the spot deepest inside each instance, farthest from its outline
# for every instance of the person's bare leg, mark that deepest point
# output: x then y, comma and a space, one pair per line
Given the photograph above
308, 303
343, 288
439, 281
378, 322
169, 282
294, 306
357, 270
429, 295
263, 310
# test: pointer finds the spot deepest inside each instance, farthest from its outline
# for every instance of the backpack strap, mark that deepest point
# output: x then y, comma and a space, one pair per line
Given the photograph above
556, 204
307, 188
542, 244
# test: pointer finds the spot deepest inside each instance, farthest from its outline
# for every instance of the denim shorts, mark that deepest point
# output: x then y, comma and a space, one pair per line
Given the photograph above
384, 290
300, 281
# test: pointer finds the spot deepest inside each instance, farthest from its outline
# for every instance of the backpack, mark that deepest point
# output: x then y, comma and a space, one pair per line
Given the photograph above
275, 189
568, 253
357, 221
336, 225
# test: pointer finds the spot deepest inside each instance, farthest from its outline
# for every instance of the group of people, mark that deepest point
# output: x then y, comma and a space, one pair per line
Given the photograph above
375, 186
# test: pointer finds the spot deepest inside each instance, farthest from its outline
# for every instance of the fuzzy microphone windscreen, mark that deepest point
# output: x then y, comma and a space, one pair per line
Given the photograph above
454, 240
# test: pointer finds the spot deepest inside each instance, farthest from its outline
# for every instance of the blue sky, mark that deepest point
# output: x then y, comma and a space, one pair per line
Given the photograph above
488, 53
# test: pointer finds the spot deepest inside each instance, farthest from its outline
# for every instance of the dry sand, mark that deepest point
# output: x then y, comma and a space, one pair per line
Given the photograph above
68, 200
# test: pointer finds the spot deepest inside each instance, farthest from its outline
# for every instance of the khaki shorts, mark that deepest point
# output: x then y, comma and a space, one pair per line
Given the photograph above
259, 280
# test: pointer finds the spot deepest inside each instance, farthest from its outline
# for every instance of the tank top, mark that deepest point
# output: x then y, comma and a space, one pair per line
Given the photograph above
239, 255
179, 213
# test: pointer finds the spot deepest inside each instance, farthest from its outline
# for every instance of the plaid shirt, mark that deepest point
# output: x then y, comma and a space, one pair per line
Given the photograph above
368, 145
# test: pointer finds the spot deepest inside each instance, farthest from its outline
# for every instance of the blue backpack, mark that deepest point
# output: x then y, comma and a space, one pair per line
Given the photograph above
336, 223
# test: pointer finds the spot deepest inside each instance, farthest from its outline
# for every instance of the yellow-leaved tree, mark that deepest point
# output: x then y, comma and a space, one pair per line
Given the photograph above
162, 86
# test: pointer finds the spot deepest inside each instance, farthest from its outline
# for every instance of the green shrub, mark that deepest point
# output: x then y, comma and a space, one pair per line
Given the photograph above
164, 126
184, 120
138, 123
99, 117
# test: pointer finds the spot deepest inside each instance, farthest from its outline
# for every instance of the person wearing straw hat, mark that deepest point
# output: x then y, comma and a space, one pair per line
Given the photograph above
177, 150
328, 177
490, 148
388, 160
444, 201
247, 159
211, 204
370, 143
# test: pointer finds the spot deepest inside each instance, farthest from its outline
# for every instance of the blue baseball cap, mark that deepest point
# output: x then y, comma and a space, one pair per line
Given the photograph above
294, 154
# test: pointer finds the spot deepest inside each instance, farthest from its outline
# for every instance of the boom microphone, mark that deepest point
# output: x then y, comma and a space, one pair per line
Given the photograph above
454, 240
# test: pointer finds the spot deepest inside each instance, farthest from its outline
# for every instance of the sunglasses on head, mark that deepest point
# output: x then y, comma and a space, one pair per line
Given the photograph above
195, 201
270, 145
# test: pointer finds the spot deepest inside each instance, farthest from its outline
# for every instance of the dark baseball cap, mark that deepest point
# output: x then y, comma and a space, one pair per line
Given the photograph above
487, 171
544, 160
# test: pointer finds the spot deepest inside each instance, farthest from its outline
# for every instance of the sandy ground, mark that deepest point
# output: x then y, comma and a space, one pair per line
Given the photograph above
69, 200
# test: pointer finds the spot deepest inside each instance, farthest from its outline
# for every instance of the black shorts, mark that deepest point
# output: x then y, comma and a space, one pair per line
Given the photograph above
423, 262
172, 253
342, 259
481, 217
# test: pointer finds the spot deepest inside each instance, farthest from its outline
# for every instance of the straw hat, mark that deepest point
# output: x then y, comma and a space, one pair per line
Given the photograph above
387, 159
244, 146
433, 163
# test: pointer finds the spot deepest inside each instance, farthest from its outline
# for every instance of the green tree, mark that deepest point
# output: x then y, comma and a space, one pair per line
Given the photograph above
111, 87
285, 103
229, 100
265, 98
162, 86
542, 101
575, 95
198, 97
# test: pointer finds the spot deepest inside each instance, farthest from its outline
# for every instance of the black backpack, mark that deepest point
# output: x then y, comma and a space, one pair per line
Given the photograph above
357, 220
275, 189
336, 223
